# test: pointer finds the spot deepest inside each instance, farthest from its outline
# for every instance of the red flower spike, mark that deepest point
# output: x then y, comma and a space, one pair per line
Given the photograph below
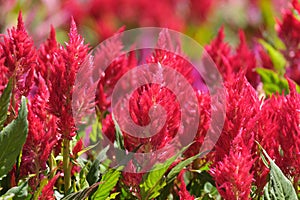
20, 58
233, 173
232, 63
278, 132
41, 135
288, 30
183, 192
59, 67
242, 105
112, 50
77, 148
47, 191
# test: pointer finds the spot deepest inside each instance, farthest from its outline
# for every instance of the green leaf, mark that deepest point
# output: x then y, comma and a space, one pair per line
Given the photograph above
107, 183
12, 139
119, 136
277, 58
273, 83
211, 191
173, 173
17, 193
113, 196
4, 103
94, 172
42, 184
154, 181
82, 194
279, 186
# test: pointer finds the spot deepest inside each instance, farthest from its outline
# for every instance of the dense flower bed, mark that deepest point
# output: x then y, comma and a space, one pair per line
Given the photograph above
44, 155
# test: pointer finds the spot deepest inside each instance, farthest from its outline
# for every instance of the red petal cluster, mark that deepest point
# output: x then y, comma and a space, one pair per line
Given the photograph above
17, 60
233, 173
47, 191
231, 64
278, 132
59, 67
289, 31
41, 134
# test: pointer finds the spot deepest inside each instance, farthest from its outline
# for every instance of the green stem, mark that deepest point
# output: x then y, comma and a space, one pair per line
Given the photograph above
51, 165
66, 164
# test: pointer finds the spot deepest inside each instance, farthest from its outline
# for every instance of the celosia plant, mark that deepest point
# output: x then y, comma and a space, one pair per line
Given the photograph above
43, 151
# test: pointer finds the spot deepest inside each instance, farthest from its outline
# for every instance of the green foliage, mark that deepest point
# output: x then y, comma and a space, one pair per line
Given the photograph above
82, 194
277, 58
108, 182
17, 193
278, 186
175, 171
155, 180
273, 83
94, 172
4, 103
12, 138
119, 137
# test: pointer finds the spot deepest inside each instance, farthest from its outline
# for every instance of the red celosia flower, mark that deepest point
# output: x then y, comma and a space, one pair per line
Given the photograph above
278, 133
288, 30
115, 70
230, 63
18, 55
41, 134
47, 191
183, 192
242, 105
3, 73
233, 172
59, 68
204, 124
133, 178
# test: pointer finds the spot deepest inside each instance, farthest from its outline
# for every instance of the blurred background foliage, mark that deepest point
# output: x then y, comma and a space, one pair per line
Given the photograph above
99, 19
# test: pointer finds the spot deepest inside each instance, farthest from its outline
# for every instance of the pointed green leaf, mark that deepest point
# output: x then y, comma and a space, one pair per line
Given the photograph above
19, 192
4, 103
279, 186
119, 136
82, 194
12, 139
94, 172
107, 183
273, 83
277, 58
154, 181
173, 173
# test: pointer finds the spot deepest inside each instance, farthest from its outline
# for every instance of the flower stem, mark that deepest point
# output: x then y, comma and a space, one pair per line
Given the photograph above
66, 164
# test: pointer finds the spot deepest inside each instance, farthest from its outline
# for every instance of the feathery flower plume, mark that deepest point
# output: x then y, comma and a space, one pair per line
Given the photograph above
18, 59
47, 191
289, 32
41, 135
233, 173
242, 105
183, 192
231, 63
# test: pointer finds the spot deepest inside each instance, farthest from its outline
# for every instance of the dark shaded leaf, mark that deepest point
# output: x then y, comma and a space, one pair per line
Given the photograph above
94, 172
82, 194
107, 183
4, 103
12, 139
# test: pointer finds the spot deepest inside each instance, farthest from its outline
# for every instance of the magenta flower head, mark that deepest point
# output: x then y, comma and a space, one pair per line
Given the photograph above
41, 135
233, 173
18, 59
288, 30
59, 66
278, 131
